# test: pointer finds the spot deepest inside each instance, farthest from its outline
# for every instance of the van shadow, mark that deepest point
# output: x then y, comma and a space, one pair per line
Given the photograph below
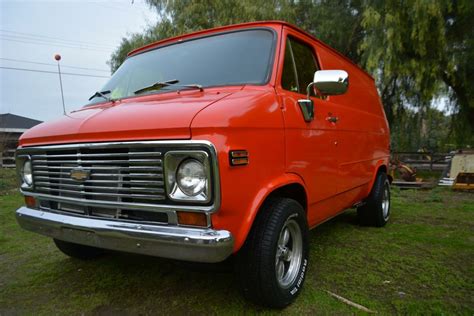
137, 284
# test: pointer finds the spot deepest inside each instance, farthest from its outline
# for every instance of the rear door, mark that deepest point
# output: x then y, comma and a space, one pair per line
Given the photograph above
310, 146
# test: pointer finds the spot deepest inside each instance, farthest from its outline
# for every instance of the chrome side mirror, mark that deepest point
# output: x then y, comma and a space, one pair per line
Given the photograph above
330, 82
325, 82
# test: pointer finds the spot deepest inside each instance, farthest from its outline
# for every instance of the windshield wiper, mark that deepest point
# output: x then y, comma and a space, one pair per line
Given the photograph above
157, 86
101, 94
162, 84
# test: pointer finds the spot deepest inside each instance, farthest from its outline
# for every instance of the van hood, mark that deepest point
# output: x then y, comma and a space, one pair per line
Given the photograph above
158, 116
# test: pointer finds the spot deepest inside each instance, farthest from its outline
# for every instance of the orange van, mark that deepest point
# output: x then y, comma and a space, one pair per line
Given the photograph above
230, 141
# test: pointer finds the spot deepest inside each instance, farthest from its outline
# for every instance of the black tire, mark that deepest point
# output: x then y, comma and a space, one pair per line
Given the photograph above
376, 210
78, 251
257, 261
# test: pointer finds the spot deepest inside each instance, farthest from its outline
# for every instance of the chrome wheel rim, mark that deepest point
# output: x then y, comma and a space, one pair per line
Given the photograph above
386, 202
289, 253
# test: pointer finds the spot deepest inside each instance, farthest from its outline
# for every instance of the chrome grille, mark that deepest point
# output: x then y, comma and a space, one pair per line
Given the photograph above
124, 175
125, 179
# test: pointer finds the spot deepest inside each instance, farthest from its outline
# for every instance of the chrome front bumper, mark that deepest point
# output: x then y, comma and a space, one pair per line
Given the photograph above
190, 244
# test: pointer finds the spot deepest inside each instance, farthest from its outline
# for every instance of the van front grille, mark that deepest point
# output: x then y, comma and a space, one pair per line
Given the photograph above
114, 180
130, 175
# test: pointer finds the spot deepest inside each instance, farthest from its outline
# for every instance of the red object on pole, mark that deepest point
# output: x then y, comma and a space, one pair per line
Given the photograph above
57, 57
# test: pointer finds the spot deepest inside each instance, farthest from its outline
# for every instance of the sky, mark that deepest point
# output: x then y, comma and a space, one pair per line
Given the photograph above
84, 33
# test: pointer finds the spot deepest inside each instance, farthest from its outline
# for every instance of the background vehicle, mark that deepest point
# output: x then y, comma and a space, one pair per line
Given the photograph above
235, 140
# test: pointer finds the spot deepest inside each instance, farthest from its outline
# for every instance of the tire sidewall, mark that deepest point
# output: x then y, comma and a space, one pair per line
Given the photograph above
382, 184
287, 295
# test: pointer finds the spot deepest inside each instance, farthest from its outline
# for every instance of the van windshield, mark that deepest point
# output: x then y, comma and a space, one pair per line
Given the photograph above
241, 57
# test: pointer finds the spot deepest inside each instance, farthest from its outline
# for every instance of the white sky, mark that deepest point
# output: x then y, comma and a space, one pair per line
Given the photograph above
36, 30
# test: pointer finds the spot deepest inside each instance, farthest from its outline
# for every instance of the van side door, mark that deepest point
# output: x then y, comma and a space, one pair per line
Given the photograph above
310, 146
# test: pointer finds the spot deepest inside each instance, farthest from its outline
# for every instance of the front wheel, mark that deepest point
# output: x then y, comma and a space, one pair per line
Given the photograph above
376, 210
273, 262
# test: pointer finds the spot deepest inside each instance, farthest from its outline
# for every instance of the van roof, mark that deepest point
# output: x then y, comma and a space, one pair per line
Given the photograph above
237, 26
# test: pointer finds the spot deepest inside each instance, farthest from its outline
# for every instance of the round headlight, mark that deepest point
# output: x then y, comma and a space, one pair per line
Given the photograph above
191, 177
27, 173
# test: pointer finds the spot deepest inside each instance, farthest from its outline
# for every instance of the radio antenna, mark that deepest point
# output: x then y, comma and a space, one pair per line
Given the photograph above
58, 58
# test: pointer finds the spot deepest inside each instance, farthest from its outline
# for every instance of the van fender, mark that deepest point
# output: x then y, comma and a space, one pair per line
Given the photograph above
380, 163
260, 197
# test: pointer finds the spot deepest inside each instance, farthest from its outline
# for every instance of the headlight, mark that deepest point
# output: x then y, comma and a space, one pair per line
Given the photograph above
188, 175
25, 171
191, 177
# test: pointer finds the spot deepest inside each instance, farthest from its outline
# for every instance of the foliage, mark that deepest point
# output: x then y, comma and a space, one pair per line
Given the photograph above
419, 51
427, 128
323, 20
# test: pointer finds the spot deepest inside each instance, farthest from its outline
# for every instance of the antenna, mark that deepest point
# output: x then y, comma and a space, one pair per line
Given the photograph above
57, 57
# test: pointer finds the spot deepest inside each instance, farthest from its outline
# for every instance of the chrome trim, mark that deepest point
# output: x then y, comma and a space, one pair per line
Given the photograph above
47, 186
188, 144
183, 243
137, 161
49, 189
330, 82
142, 182
134, 175
103, 168
154, 153
307, 109
173, 160
19, 164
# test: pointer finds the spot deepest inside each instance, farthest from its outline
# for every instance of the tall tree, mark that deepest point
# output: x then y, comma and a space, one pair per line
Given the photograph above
417, 50
322, 18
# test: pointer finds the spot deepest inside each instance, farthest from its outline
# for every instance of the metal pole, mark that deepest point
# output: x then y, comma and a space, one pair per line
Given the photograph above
58, 58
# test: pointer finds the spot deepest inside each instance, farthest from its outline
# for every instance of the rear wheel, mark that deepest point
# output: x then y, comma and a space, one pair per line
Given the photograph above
376, 210
273, 262
78, 251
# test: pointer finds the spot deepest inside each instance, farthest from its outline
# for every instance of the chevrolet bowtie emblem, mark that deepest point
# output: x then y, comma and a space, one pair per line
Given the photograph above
80, 174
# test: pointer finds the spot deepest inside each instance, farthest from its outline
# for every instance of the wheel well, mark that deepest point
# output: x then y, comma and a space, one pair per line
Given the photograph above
293, 191
383, 168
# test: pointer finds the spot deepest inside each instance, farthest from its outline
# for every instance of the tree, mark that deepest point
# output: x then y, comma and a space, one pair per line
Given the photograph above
417, 50
323, 19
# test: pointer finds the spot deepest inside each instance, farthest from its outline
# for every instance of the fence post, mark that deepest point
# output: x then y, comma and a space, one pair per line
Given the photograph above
431, 161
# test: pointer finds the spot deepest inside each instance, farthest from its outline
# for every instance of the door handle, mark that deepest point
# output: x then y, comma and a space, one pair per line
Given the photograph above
332, 119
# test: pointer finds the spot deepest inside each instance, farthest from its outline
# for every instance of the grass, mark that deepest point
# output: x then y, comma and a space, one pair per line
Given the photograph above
8, 181
420, 263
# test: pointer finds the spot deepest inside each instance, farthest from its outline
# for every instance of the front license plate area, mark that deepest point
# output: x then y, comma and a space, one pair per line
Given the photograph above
79, 236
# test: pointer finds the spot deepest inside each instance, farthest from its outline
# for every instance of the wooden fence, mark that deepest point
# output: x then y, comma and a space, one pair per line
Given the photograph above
423, 160
7, 158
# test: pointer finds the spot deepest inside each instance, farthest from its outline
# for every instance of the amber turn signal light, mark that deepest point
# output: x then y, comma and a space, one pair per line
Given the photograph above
192, 218
30, 201
239, 157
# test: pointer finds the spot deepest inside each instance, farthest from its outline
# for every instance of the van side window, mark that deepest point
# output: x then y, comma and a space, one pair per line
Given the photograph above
288, 78
300, 57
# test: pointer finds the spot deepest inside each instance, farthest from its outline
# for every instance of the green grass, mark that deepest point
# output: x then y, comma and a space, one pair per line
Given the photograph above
420, 263
8, 181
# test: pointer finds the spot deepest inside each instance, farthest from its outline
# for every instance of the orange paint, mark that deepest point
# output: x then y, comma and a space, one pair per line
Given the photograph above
334, 163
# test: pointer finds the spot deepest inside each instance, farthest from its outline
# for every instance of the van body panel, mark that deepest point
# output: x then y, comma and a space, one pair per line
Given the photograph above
157, 116
250, 120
